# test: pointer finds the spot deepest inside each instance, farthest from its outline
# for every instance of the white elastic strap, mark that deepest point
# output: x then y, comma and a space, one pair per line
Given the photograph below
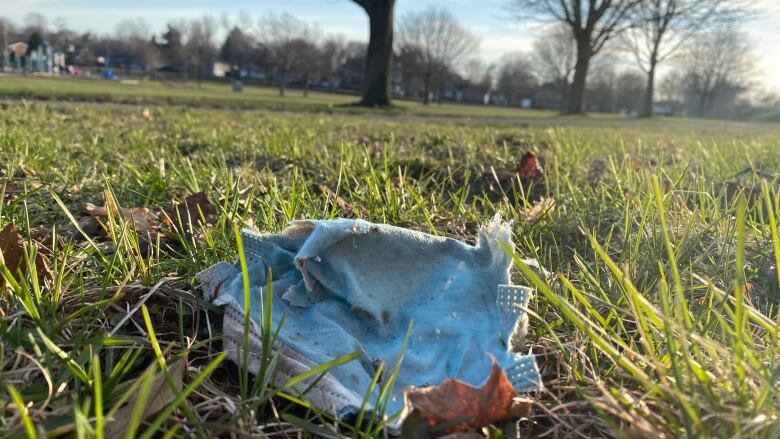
511, 300
524, 375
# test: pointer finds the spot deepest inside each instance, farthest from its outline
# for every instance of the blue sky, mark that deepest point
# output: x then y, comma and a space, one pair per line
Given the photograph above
488, 18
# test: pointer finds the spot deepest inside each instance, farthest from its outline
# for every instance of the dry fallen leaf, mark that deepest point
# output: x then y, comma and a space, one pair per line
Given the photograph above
597, 170
544, 206
141, 219
160, 396
12, 248
345, 210
529, 169
189, 211
733, 190
495, 401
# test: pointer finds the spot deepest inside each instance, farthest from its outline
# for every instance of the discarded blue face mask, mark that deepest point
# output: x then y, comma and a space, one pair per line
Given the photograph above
349, 285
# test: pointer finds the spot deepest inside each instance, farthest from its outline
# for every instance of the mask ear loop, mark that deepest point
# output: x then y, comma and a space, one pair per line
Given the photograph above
524, 374
251, 245
511, 300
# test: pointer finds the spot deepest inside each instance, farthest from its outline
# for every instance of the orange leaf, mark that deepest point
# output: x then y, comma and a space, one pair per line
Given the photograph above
495, 401
529, 168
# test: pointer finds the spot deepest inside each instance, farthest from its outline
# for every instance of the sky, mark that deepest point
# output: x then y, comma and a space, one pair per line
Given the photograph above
490, 19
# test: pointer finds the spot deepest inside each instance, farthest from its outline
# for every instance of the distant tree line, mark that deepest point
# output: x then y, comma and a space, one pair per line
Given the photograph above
589, 55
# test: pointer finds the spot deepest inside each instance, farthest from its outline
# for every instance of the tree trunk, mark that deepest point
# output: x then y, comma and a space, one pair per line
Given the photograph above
376, 79
647, 104
577, 94
282, 83
306, 85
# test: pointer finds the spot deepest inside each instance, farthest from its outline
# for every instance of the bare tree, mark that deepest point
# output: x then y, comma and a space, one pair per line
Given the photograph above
410, 62
441, 41
199, 48
592, 23
628, 92
287, 41
664, 26
35, 22
717, 60
554, 56
133, 36
600, 92
672, 87
515, 78
332, 55
480, 75
61, 36
307, 61
376, 79
6, 29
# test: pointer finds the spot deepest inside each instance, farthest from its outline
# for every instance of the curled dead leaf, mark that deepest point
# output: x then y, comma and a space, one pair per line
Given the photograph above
160, 395
454, 400
345, 210
731, 191
141, 219
529, 168
542, 207
189, 211
12, 249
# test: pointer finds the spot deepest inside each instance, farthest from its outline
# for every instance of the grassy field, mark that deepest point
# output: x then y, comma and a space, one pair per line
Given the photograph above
659, 319
220, 95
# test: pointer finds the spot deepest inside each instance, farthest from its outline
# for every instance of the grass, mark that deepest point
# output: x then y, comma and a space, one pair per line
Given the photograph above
659, 318
220, 95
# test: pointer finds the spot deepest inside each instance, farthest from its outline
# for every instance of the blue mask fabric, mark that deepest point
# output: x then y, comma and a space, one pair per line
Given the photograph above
350, 285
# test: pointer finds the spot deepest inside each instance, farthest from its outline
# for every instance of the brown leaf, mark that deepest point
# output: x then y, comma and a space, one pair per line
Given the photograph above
141, 219
345, 210
495, 401
12, 248
544, 206
529, 169
189, 211
160, 396
11, 188
733, 190
597, 169
45, 237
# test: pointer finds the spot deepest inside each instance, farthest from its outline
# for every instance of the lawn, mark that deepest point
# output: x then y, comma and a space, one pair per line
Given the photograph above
659, 317
220, 95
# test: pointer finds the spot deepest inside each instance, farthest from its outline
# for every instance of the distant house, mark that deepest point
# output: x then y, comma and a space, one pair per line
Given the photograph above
18, 49
45, 58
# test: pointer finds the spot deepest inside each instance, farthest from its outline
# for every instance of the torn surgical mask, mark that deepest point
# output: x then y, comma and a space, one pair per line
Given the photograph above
349, 285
